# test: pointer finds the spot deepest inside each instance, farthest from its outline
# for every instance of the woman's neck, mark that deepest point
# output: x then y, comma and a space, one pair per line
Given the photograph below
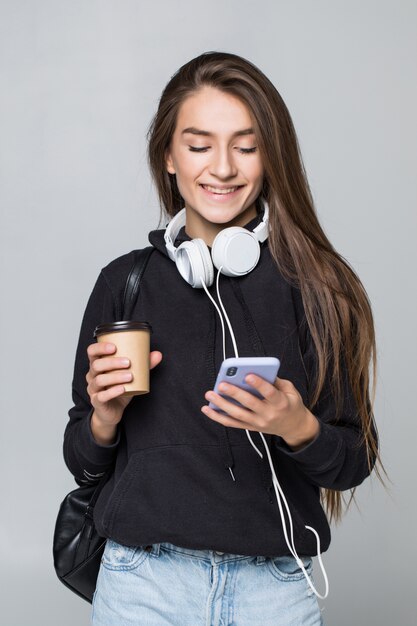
196, 226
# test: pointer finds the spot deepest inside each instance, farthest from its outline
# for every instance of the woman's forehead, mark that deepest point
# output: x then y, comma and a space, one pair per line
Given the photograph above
210, 112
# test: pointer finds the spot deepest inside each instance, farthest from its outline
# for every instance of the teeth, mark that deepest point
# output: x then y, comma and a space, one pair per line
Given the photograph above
219, 191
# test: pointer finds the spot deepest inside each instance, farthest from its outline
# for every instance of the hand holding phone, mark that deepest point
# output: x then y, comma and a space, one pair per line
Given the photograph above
235, 369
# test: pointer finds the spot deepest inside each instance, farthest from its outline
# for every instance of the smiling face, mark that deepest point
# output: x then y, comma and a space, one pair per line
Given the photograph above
215, 157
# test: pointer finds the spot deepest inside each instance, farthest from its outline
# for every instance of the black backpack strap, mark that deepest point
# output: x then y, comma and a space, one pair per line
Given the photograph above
131, 292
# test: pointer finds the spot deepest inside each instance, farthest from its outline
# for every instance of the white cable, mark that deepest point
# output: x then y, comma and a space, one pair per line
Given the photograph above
226, 316
236, 353
277, 487
253, 445
224, 340
218, 311
280, 494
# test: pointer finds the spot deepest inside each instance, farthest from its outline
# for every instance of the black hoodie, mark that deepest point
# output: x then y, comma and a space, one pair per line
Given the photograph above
172, 481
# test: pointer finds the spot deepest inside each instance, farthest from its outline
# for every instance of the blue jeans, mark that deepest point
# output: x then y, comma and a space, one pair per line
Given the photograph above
165, 585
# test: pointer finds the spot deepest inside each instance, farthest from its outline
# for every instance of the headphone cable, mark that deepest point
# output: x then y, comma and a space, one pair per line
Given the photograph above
277, 487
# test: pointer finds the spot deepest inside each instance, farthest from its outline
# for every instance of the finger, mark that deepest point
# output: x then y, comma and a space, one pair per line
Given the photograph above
226, 420
101, 397
238, 412
266, 389
246, 398
98, 349
155, 358
107, 364
107, 380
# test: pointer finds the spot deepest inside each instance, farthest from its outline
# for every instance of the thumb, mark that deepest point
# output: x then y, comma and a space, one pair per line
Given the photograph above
155, 358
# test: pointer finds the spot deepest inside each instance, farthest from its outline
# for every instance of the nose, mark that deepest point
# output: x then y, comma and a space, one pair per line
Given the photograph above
222, 164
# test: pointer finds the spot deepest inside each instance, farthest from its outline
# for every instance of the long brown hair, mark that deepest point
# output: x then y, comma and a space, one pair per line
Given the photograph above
337, 308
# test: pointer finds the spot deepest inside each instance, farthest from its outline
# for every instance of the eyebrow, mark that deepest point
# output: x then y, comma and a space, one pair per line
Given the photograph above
196, 131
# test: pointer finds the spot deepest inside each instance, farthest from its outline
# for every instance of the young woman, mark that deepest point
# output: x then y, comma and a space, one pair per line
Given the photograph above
213, 517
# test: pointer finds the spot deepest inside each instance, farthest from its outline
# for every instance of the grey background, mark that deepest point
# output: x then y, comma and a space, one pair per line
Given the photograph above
80, 81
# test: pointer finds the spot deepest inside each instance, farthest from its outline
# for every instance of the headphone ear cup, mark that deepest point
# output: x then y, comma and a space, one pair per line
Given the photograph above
236, 250
194, 262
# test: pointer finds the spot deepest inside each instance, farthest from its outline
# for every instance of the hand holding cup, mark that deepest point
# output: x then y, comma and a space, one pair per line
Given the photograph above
110, 382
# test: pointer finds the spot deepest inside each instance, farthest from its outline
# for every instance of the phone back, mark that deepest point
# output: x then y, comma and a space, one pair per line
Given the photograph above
234, 370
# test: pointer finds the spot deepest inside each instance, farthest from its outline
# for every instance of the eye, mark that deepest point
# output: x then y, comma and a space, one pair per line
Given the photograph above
242, 150
247, 150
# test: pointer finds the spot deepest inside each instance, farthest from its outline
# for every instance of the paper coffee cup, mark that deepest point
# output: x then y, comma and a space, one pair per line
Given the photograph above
132, 340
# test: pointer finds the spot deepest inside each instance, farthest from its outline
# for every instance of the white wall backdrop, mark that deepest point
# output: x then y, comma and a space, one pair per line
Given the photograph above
79, 83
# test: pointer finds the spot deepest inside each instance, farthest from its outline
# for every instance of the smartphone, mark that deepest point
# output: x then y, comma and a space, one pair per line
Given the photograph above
235, 369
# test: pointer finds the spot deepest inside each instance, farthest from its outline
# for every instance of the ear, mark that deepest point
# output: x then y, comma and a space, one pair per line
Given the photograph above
169, 163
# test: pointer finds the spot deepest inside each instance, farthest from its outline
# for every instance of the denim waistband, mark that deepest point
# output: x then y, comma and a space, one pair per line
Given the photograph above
212, 556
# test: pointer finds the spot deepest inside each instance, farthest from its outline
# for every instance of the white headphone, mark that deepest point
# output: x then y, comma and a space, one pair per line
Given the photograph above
235, 249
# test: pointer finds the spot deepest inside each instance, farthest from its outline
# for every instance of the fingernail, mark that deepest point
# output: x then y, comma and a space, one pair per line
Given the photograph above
125, 362
250, 379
